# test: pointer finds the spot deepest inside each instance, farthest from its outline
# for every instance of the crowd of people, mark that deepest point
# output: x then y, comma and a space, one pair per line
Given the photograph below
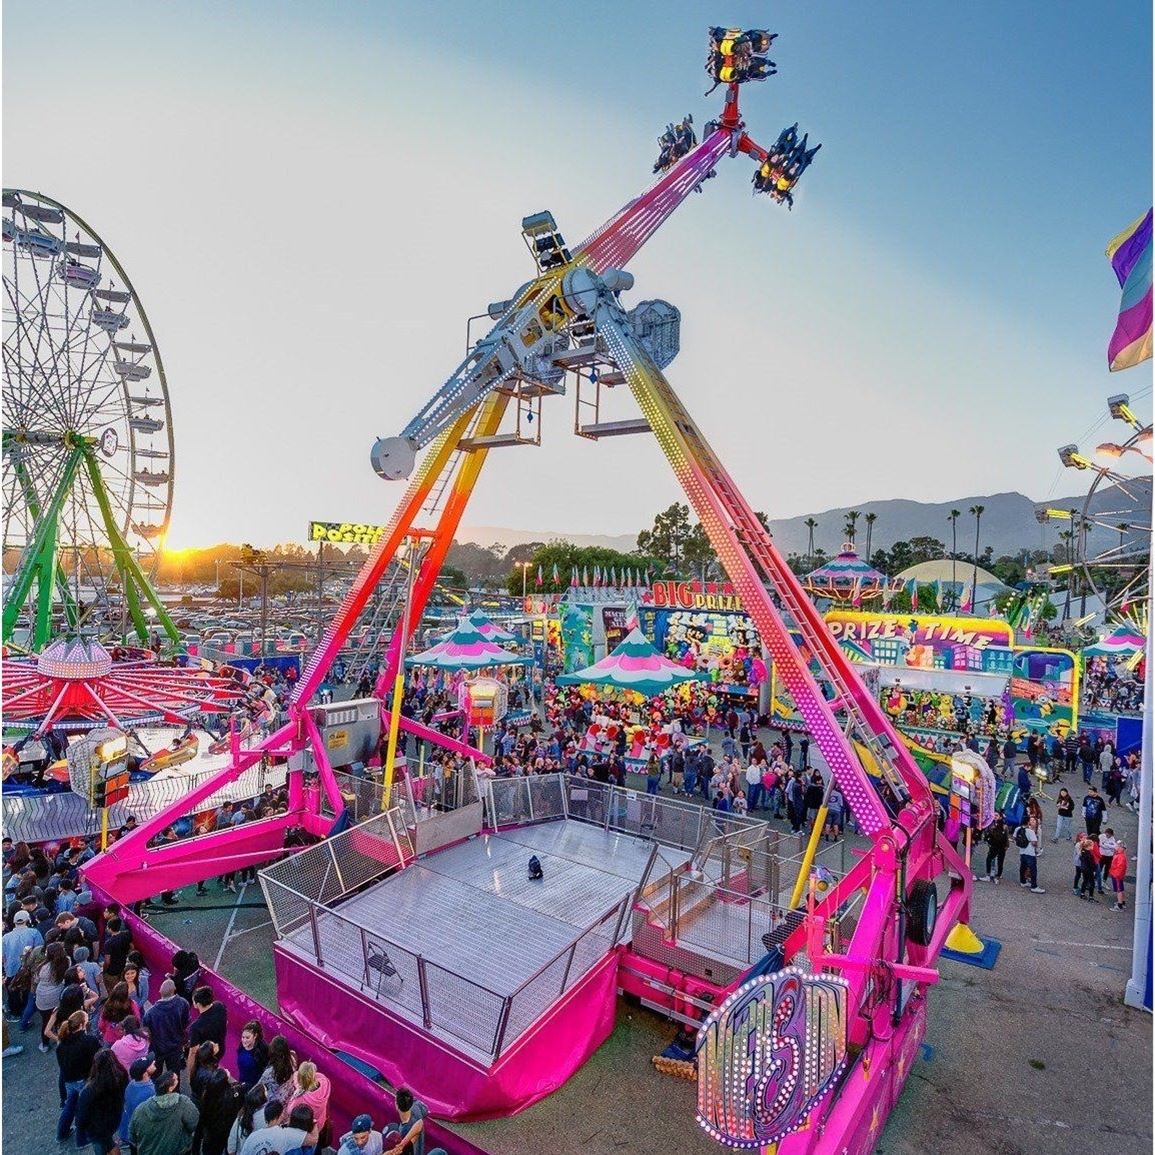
1100, 858
142, 1063
1108, 688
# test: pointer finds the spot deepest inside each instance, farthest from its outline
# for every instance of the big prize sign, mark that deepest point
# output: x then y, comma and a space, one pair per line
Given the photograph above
769, 1055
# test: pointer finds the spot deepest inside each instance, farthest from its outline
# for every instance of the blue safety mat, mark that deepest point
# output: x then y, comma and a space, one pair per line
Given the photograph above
986, 960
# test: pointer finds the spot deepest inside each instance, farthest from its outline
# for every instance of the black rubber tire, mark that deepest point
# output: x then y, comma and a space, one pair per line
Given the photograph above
921, 911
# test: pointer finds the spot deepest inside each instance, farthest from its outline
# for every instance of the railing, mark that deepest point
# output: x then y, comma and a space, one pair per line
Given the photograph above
516, 801
330, 870
668, 821
48, 817
732, 898
302, 891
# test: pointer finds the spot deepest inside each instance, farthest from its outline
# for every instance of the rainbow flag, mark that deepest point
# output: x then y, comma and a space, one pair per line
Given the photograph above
1130, 257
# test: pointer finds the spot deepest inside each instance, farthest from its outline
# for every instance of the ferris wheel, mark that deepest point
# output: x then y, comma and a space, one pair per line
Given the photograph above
88, 461
1111, 535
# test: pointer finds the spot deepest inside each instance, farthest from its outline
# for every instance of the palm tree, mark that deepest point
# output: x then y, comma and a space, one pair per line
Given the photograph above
870, 519
953, 517
977, 512
811, 524
851, 521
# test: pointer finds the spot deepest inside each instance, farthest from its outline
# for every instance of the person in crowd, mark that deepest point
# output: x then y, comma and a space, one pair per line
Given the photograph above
312, 1089
117, 1007
186, 973
407, 1136
210, 1025
50, 983
166, 1123
278, 1077
74, 1054
1064, 813
93, 975
247, 1120
17, 945
101, 1102
167, 1024
140, 1087
279, 1139
211, 1089
998, 840
1093, 808
1088, 866
133, 1043
835, 808
76, 996
1118, 873
362, 1139
136, 979
117, 944
1107, 844
252, 1055
1027, 840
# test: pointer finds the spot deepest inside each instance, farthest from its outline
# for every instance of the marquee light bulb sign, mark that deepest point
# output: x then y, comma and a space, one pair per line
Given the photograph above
769, 1055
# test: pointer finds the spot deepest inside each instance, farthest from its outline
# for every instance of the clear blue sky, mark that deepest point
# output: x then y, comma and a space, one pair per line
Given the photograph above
312, 198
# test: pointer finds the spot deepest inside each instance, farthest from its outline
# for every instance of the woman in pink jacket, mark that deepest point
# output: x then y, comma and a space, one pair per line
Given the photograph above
312, 1089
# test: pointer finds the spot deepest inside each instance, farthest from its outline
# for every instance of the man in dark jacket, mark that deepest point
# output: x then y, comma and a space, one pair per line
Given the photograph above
167, 1023
211, 1025
998, 838
164, 1124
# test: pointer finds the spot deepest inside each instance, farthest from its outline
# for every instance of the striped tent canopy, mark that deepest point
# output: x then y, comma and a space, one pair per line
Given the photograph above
848, 578
490, 629
465, 648
634, 665
1120, 643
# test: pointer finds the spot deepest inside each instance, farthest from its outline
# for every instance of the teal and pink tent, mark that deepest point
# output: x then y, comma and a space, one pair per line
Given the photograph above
634, 665
466, 648
490, 629
1122, 642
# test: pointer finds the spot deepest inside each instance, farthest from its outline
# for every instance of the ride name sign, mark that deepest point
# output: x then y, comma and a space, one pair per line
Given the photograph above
769, 1055
345, 532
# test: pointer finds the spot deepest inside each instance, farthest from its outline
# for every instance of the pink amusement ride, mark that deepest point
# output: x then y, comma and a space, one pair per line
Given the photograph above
810, 1016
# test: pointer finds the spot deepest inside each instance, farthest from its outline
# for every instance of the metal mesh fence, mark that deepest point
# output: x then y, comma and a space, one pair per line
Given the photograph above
331, 869
47, 817
540, 991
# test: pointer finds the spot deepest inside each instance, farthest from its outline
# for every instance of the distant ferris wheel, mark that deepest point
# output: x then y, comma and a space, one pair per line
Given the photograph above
88, 455
1112, 533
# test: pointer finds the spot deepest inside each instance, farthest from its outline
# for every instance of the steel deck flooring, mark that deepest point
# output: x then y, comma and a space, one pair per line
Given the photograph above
471, 910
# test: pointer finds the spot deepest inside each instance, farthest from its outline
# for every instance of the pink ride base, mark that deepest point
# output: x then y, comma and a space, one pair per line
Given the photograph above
536, 1065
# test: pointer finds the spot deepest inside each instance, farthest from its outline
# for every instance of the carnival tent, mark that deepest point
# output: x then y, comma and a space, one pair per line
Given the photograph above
466, 648
848, 578
634, 665
490, 629
1122, 642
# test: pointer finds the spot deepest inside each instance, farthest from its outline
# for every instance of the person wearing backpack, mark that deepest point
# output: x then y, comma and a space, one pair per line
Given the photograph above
1027, 840
1093, 807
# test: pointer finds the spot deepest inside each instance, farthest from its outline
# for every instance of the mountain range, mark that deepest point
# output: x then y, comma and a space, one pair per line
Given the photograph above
1009, 524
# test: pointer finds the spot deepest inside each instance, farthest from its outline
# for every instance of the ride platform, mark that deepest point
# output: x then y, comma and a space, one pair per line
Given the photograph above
459, 975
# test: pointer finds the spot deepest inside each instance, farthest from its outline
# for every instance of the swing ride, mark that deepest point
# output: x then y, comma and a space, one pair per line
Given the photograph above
812, 1047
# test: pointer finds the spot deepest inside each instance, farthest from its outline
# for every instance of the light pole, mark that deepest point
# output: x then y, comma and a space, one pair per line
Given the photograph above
524, 571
